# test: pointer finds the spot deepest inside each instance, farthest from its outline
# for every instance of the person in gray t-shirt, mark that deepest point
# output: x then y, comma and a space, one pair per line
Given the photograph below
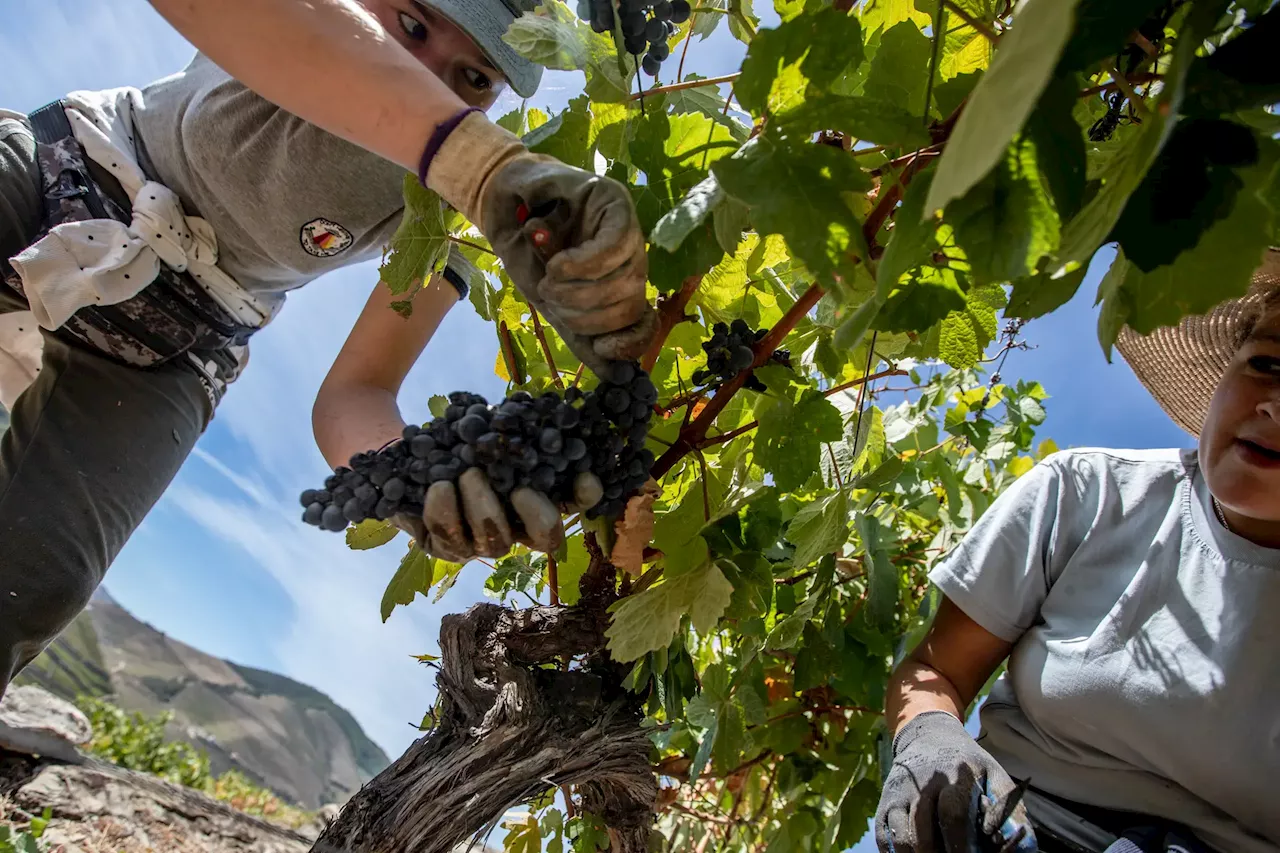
1134, 595
290, 134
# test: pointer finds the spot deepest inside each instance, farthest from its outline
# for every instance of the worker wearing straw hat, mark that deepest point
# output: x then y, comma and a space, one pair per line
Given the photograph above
1134, 596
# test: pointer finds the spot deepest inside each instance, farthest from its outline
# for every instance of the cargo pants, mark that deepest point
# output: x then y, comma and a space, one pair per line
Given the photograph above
92, 444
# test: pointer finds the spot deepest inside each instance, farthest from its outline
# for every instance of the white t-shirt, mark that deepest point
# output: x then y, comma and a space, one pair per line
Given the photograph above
1145, 674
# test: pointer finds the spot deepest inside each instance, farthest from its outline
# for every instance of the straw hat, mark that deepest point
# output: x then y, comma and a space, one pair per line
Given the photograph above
1181, 365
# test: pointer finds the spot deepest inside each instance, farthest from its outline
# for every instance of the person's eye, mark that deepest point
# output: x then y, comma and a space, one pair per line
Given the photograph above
477, 80
1268, 364
412, 27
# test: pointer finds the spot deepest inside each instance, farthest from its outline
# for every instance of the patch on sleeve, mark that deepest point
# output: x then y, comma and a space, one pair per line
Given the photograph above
324, 238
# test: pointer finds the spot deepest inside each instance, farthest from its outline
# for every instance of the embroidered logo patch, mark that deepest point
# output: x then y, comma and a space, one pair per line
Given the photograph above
325, 238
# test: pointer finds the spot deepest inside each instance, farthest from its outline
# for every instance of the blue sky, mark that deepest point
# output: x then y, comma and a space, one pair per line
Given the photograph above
224, 563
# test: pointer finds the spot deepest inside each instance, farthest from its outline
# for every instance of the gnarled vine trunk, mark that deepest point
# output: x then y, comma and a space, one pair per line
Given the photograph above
508, 730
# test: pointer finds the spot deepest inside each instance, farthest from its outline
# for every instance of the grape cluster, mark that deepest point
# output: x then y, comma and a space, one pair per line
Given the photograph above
729, 352
646, 25
541, 442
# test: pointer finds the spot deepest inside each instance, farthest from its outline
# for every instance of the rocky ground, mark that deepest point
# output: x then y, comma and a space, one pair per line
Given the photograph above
100, 808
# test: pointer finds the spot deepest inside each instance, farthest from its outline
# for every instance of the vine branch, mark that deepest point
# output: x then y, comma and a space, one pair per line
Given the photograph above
546, 349
671, 312
688, 84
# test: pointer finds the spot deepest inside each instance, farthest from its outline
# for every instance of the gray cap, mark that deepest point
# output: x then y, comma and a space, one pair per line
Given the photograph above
486, 21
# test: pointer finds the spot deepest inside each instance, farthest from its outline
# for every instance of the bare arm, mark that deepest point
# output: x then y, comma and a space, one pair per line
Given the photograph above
327, 61
947, 669
355, 409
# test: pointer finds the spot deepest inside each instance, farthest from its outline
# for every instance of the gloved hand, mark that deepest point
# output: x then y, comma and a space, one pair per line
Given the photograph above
588, 278
468, 520
944, 792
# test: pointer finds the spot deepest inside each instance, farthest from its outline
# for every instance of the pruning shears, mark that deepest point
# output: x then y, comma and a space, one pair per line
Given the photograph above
1009, 837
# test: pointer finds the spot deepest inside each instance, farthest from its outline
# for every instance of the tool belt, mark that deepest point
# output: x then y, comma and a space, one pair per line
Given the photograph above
173, 316
1063, 826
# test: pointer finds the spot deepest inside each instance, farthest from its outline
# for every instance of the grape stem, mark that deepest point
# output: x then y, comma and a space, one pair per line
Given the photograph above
688, 84
671, 312
468, 243
546, 349
553, 584
692, 436
861, 380
509, 353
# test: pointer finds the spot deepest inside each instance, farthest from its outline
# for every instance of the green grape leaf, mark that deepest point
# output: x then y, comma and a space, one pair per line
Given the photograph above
1239, 75
949, 94
565, 137
438, 404
1006, 222
557, 44
885, 14
420, 246
819, 528
692, 211
789, 440
899, 71
1192, 184
707, 101
752, 579
1043, 293
646, 622
882, 579
1004, 99
1220, 266
823, 43
730, 219
798, 191
415, 575
1059, 143
703, 756
870, 119
523, 835
370, 533
1128, 165
913, 238
966, 334
927, 296
1102, 29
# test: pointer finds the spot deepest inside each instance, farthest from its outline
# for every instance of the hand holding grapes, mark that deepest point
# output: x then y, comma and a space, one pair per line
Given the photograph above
478, 478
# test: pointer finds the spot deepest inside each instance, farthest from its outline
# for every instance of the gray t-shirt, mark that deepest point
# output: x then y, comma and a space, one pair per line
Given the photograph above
1145, 674
287, 200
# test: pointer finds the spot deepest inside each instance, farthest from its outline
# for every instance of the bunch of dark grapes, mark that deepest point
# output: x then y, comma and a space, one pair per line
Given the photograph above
729, 352
646, 25
541, 442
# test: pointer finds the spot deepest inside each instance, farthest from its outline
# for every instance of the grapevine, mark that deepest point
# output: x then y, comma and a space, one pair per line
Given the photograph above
881, 189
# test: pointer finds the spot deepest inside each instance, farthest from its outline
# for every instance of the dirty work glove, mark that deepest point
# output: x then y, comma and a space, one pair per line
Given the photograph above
468, 519
944, 792
569, 239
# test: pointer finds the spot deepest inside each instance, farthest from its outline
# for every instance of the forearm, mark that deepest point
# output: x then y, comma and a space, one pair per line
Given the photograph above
327, 61
350, 419
916, 687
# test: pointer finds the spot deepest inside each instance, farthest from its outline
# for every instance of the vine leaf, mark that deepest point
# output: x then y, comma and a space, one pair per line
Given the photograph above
789, 440
550, 42
1040, 294
415, 575
523, 834
899, 71
369, 534
646, 622
823, 44
692, 211
1006, 223
819, 528
420, 245
873, 120
1220, 266
798, 190
965, 334
882, 580
1003, 100
1059, 141
912, 240
438, 404
1129, 164
928, 295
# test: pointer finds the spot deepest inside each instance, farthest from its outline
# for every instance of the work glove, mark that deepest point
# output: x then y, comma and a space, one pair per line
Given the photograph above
568, 238
946, 793
467, 520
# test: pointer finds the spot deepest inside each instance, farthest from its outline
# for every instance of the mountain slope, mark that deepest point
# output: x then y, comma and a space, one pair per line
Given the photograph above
282, 734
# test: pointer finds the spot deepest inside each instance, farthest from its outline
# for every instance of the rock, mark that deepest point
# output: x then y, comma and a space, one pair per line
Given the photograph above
100, 807
35, 722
